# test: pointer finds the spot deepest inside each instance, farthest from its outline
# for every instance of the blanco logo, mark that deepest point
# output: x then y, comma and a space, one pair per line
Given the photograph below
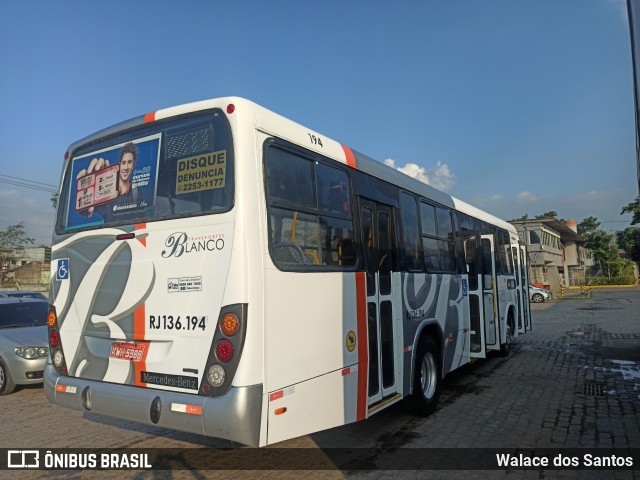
23, 459
179, 243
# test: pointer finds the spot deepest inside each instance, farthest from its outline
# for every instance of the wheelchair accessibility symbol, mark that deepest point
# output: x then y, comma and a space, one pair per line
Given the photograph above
62, 272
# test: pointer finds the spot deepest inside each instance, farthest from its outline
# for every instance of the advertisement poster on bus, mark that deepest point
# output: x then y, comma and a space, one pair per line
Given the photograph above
115, 184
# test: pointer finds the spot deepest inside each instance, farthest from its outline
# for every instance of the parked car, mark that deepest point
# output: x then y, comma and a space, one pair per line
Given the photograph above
22, 294
24, 345
539, 295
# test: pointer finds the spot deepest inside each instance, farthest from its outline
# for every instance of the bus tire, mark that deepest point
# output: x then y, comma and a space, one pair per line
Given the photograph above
505, 348
427, 378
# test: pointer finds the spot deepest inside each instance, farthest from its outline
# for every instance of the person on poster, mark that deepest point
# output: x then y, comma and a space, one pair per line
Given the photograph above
129, 199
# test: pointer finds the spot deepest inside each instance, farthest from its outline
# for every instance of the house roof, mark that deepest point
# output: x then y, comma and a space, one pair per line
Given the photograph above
565, 232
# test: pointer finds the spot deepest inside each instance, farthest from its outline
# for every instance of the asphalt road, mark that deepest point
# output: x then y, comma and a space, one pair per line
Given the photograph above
573, 382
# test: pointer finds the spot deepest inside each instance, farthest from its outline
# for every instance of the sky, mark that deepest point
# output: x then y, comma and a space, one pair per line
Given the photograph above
517, 107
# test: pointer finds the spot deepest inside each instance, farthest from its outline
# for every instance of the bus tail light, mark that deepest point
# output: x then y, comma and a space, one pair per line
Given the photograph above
55, 344
229, 324
226, 350
215, 376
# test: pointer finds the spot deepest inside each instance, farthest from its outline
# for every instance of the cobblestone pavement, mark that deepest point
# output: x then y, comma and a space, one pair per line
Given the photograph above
573, 382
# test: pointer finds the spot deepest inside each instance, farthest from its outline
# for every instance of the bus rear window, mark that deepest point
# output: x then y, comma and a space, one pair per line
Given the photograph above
170, 170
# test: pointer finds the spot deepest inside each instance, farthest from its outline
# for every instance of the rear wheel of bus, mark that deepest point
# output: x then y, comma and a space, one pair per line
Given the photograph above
426, 379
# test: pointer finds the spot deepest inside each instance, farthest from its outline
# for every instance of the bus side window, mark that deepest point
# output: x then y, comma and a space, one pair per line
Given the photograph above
309, 211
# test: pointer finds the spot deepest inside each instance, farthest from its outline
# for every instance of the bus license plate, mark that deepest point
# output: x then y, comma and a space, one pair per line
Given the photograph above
128, 351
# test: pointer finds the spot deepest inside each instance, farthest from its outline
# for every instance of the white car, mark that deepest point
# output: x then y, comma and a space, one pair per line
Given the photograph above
539, 295
24, 344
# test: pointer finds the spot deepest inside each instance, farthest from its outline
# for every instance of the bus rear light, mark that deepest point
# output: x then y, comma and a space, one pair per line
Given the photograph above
231, 108
216, 376
57, 358
125, 236
224, 350
52, 318
54, 339
229, 324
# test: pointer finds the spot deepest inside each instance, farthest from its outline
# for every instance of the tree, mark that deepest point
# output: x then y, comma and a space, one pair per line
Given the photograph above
14, 236
602, 245
629, 241
588, 225
549, 214
634, 208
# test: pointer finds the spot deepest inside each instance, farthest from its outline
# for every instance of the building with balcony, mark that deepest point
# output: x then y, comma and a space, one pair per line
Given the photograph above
557, 255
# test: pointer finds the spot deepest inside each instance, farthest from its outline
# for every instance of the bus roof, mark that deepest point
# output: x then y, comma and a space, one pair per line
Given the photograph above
275, 124
464, 207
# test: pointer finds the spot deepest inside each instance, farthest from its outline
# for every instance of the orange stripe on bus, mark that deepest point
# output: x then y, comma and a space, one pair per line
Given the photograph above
276, 395
363, 342
150, 117
351, 159
194, 409
142, 226
139, 323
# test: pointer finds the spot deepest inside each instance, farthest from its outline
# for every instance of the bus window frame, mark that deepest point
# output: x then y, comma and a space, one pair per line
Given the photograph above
315, 158
420, 265
130, 134
452, 243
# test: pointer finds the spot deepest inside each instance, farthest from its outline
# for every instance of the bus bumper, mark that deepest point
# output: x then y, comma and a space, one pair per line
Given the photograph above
234, 416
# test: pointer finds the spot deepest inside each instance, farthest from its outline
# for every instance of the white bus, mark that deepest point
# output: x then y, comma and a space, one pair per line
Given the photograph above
219, 269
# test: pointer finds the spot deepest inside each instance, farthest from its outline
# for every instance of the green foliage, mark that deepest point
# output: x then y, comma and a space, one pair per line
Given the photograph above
627, 280
14, 236
629, 241
549, 214
634, 208
588, 225
602, 245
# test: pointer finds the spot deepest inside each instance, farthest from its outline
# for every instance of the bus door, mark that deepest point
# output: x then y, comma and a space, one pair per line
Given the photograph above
377, 229
490, 293
473, 259
520, 323
524, 284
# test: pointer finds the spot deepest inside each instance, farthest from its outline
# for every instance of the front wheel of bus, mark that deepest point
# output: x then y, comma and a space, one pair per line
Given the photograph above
426, 379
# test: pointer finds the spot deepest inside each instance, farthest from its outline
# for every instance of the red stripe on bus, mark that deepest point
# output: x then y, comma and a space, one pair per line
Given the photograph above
351, 159
150, 117
276, 395
363, 341
139, 322
142, 226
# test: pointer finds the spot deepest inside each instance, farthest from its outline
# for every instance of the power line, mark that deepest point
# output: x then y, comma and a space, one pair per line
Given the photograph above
27, 180
23, 182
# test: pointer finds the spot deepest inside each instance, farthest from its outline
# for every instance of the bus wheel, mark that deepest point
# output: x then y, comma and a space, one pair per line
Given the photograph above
505, 348
426, 379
